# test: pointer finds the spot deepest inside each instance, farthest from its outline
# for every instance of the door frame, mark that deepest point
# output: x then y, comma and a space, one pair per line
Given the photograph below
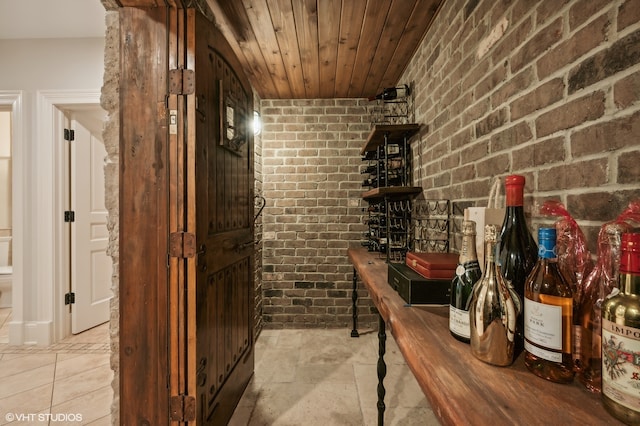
13, 100
49, 209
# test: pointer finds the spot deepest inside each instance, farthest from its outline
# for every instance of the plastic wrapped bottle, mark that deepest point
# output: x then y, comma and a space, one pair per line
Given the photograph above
597, 287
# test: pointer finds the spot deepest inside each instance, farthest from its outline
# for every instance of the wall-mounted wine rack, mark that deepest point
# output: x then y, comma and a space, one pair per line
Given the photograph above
431, 224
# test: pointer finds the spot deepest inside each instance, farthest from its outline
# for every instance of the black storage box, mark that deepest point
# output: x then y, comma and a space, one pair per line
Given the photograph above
415, 289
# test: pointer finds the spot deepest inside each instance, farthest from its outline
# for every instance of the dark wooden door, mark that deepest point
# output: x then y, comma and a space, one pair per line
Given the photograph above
219, 206
186, 220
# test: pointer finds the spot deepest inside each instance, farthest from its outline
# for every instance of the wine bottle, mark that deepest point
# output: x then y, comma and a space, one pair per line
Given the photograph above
621, 337
597, 286
392, 93
493, 310
548, 315
467, 274
518, 249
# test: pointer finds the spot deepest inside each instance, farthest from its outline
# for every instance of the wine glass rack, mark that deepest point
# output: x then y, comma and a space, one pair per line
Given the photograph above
431, 225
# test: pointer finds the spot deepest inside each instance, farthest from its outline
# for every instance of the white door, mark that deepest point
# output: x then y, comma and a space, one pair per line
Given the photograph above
90, 266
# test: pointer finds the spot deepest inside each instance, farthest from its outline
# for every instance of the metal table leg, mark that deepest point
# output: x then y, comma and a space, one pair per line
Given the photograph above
382, 368
354, 299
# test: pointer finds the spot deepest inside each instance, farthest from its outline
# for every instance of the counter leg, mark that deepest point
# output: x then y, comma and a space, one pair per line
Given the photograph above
382, 368
354, 299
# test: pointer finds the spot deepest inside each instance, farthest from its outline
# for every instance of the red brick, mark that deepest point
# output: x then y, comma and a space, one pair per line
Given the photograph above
627, 91
543, 96
599, 205
591, 173
539, 43
628, 14
629, 167
623, 54
518, 83
582, 42
606, 136
583, 10
510, 137
541, 153
571, 114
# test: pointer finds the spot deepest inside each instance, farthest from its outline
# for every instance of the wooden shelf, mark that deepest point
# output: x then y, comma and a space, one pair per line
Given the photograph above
463, 390
391, 191
392, 131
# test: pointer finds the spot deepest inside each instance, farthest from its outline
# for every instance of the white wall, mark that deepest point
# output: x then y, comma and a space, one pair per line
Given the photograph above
37, 68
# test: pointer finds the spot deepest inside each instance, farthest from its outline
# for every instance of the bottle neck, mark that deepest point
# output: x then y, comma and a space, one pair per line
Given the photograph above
629, 283
468, 251
490, 248
514, 195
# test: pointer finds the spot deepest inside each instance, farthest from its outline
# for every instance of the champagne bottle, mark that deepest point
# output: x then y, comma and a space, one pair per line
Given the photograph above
518, 249
548, 315
621, 337
392, 93
597, 286
467, 274
493, 310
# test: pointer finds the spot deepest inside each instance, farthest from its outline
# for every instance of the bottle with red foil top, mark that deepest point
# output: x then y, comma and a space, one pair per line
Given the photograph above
621, 337
518, 251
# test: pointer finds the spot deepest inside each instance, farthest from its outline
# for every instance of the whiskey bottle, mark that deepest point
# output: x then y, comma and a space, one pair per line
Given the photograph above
621, 337
467, 274
548, 315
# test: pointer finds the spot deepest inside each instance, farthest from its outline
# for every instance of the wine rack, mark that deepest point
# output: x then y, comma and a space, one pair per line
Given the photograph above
387, 178
431, 225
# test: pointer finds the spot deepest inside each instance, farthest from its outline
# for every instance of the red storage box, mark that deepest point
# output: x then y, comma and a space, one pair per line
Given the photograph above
433, 265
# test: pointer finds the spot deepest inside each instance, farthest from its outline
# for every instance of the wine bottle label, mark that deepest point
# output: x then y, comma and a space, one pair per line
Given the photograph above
543, 330
459, 322
621, 364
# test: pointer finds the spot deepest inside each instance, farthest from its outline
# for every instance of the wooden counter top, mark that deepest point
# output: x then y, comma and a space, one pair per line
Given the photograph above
463, 390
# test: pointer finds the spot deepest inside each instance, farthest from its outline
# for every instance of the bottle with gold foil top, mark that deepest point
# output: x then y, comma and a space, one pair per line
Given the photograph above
493, 311
548, 315
621, 337
467, 274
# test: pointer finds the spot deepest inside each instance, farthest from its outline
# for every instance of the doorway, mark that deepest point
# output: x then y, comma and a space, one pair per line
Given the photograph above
86, 238
81, 270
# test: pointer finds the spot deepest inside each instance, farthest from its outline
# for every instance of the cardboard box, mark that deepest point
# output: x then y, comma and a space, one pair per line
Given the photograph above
416, 289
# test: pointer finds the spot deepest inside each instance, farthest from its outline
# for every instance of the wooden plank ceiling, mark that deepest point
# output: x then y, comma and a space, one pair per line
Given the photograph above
308, 49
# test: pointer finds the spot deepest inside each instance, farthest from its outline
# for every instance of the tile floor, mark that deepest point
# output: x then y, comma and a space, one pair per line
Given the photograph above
327, 378
310, 377
68, 383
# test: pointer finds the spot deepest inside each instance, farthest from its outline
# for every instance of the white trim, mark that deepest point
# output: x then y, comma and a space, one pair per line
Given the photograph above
49, 210
14, 100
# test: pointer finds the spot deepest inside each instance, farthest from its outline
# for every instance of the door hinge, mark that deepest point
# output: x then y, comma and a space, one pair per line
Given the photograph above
182, 82
183, 408
69, 135
182, 245
69, 216
69, 298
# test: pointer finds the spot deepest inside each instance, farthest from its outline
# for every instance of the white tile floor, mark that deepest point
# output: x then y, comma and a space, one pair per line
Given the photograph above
68, 383
311, 377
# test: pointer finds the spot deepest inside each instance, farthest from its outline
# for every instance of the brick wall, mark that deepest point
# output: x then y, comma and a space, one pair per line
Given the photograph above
548, 89
312, 183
